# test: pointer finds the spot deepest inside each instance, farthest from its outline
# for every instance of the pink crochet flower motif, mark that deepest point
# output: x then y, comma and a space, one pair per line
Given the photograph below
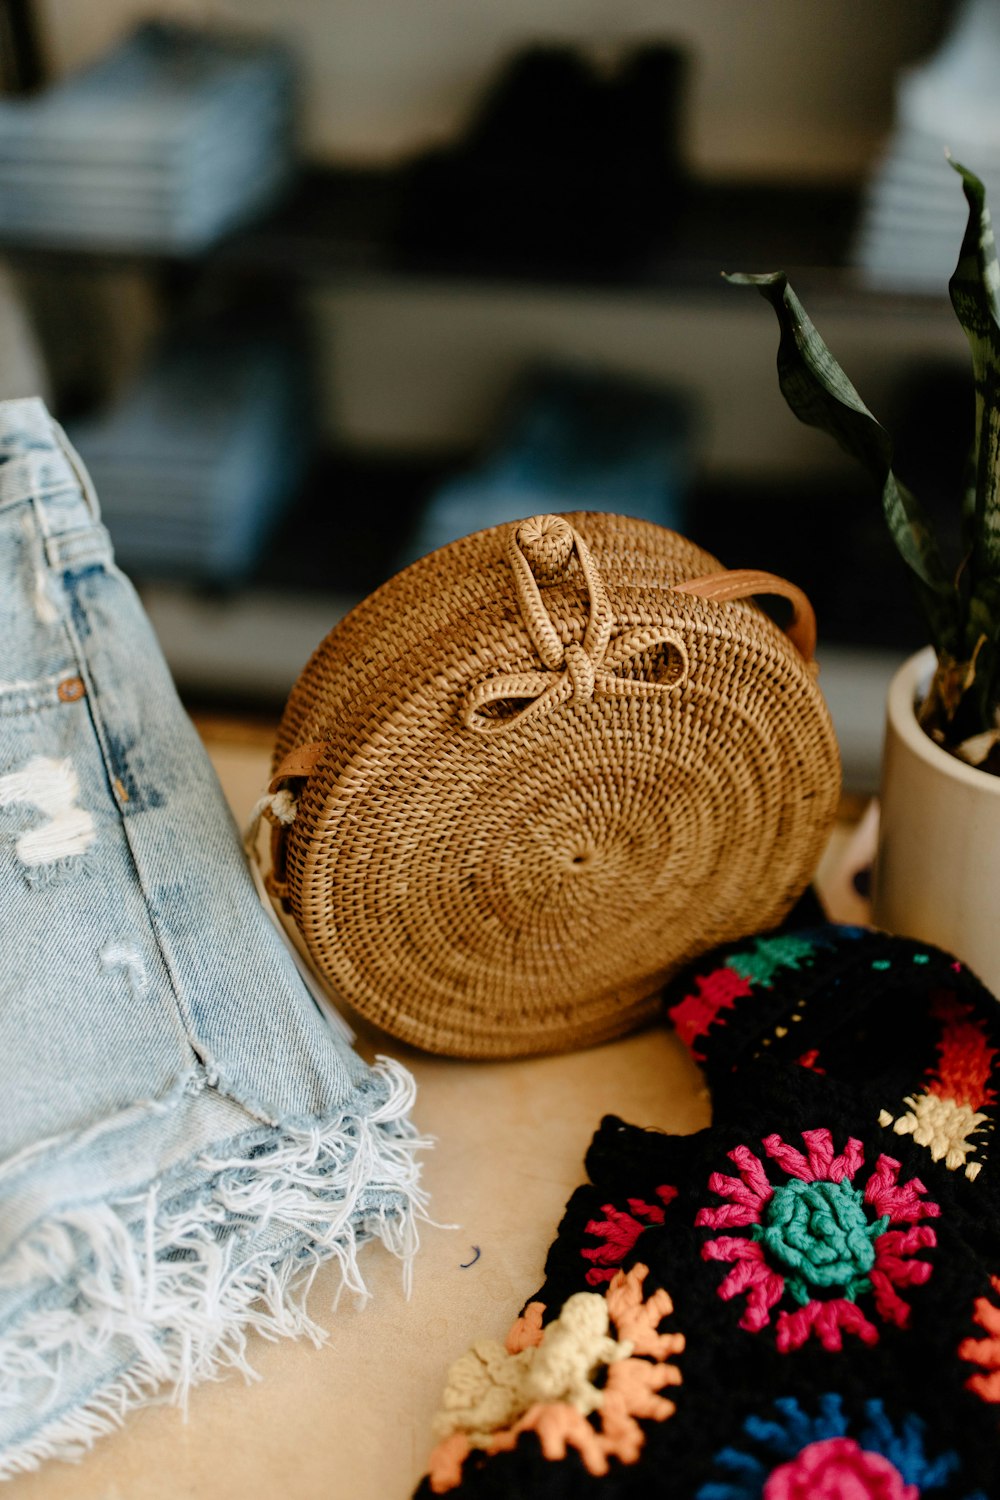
838, 1466
619, 1231
824, 1238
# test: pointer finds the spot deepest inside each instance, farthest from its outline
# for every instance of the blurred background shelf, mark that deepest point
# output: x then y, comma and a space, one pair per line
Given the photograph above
340, 223
336, 224
414, 350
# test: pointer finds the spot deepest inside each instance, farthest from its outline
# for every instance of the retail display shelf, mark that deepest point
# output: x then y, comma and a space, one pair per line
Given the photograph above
340, 223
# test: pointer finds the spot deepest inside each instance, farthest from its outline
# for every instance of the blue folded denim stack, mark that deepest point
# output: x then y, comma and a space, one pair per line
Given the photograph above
913, 212
196, 462
575, 440
162, 145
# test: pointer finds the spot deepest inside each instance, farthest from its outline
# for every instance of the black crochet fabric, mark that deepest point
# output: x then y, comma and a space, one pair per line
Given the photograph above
830, 1247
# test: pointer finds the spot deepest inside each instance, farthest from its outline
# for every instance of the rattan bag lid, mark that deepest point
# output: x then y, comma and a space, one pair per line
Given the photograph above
539, 770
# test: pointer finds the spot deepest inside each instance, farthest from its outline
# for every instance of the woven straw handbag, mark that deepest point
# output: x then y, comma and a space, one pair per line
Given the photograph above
539, 770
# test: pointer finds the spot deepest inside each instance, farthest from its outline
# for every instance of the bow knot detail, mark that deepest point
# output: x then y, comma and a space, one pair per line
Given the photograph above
573, 673
580, 670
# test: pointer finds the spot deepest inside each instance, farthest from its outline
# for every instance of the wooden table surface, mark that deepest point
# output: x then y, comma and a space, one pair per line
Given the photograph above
351, 1420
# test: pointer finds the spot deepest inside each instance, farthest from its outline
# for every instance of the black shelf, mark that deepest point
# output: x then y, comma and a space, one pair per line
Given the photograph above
340, 222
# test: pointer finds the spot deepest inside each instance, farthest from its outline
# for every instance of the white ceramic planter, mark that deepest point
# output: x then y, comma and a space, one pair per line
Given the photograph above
937, 873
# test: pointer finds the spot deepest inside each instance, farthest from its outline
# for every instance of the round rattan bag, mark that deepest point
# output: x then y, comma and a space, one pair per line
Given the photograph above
539, 770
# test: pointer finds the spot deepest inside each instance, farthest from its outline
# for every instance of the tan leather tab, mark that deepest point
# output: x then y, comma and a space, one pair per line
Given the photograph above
299, 762
743, 583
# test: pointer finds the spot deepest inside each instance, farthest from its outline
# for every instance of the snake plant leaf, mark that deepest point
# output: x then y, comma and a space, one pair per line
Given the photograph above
969, 502
820, 394
975, 296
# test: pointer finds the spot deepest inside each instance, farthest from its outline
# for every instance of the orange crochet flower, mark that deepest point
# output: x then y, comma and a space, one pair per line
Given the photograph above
600, 1423
985, 1352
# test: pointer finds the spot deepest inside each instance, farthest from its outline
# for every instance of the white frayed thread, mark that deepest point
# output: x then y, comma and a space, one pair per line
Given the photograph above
45, 608
32, 685
52, 788
124, 956
181, 1287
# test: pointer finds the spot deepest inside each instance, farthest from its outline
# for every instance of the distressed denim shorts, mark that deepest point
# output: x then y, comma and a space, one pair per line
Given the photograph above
183, 1136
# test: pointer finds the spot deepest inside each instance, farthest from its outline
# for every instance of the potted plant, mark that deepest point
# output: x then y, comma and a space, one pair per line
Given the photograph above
937, 873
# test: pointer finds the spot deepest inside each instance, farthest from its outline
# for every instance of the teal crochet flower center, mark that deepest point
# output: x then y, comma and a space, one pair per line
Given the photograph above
821, 1235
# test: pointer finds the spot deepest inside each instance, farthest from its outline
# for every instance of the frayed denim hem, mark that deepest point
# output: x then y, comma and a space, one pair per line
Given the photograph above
147, 1294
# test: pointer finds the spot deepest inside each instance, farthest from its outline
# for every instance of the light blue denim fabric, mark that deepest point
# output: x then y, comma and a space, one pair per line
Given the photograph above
183, 1137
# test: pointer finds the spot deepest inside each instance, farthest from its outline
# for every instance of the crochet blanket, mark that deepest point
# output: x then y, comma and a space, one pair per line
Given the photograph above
801, 1300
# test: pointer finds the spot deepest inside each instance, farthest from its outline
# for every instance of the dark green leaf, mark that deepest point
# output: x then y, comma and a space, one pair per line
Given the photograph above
975, 296
969, 501
820, 394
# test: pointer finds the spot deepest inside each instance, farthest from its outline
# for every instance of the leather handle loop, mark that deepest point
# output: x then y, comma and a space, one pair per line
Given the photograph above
743, 583
301, 761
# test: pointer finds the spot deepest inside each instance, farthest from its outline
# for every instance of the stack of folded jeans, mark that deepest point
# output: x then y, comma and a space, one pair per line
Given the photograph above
184, 1138
163, 145
914, 212
197, 460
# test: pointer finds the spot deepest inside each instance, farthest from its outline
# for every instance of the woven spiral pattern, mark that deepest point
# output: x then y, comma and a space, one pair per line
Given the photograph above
498, 854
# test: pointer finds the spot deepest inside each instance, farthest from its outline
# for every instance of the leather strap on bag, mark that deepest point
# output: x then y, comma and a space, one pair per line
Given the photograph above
743, 583
301, 761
